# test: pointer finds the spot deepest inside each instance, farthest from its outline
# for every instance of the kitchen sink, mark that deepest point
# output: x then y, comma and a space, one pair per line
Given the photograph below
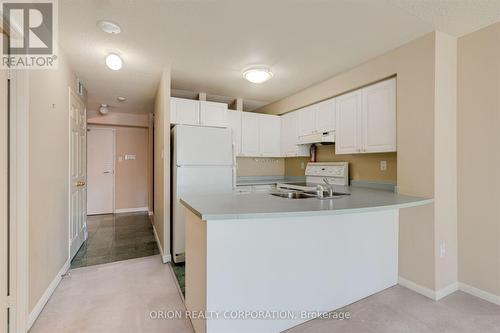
294, 195
307, 195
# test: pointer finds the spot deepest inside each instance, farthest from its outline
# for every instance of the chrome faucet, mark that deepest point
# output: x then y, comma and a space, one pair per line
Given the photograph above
330, 187
320, 190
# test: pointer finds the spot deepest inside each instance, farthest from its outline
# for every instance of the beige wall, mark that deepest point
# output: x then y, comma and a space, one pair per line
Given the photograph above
131, 176
479, 159
161, 217
445, 162
418, 99
118, 119
250, 166
48, 175
361, 166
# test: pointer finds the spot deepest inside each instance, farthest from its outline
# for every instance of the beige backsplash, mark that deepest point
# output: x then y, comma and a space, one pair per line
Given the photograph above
361, 166
260, 166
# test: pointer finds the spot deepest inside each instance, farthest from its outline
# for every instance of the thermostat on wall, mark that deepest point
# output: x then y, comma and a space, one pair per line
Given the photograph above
129, 157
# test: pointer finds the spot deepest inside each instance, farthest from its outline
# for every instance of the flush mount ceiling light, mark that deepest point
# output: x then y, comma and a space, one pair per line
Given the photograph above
121, 99
109, 27
258, 74
104, 109
114, 62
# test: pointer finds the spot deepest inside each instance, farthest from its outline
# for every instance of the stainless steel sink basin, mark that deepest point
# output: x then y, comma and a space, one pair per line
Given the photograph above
294, 195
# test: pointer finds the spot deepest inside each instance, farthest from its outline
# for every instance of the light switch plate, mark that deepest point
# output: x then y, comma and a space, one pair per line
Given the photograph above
383, 165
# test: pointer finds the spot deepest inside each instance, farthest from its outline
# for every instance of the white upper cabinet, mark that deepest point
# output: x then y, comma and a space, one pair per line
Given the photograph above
213, 114
234, 123
184, 111
249, 134
307, 120
348, 121
290, 136
325, 116
366, 120
379, 117
200, 113
269, 135
260, 135
317, 118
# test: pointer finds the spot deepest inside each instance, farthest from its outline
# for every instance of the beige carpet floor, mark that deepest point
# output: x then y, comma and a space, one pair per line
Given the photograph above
115, 297
119, 297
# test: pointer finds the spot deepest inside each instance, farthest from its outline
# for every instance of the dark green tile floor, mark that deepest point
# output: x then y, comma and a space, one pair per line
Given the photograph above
115, 237
180, 271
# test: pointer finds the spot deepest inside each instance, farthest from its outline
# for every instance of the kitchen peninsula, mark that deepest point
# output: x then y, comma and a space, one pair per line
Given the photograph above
246, 253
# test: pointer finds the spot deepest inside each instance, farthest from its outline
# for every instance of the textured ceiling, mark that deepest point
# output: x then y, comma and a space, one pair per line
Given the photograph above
207, 43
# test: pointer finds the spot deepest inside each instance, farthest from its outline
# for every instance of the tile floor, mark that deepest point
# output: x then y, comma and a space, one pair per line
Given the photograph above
115, 237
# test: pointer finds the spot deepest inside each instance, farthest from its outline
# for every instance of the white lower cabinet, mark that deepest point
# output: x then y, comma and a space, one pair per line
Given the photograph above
366, 120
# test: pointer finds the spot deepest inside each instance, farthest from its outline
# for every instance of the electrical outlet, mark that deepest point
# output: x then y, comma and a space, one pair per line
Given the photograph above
302, 166
442, 250
383, 165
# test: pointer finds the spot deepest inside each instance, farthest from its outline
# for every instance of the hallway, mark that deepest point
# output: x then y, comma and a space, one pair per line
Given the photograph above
116, 237
114, 297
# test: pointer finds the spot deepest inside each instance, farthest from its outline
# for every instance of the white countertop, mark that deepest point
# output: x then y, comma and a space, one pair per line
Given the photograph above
263, 205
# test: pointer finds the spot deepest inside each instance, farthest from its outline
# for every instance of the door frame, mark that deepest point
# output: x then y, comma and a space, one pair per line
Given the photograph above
113, 130
19, 200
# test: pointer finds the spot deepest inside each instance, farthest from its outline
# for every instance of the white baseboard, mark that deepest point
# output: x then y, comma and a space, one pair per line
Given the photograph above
132, 210
487, 296
417, 288
441, 293
164, 257
46, 295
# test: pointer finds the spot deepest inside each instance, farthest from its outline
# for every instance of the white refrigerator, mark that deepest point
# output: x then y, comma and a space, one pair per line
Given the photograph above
203, 162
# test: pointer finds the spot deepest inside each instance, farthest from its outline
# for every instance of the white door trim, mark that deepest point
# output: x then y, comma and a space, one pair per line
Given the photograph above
113, 130
19, 196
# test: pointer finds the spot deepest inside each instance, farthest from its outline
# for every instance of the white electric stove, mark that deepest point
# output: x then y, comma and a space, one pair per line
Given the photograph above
336, 173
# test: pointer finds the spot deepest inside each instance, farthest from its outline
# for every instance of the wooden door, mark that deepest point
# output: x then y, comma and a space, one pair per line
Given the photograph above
78, 173
348, 122
379, 117
100, 171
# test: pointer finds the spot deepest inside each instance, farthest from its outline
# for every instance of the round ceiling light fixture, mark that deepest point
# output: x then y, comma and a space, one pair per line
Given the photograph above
103, 109
121, 99
114, 62
257, 74
109, 27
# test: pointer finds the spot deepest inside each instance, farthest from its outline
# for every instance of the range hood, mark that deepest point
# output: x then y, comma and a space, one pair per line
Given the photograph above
321, 138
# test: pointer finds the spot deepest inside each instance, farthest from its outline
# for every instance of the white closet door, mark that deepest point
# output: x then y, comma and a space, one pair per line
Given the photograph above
100, 173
